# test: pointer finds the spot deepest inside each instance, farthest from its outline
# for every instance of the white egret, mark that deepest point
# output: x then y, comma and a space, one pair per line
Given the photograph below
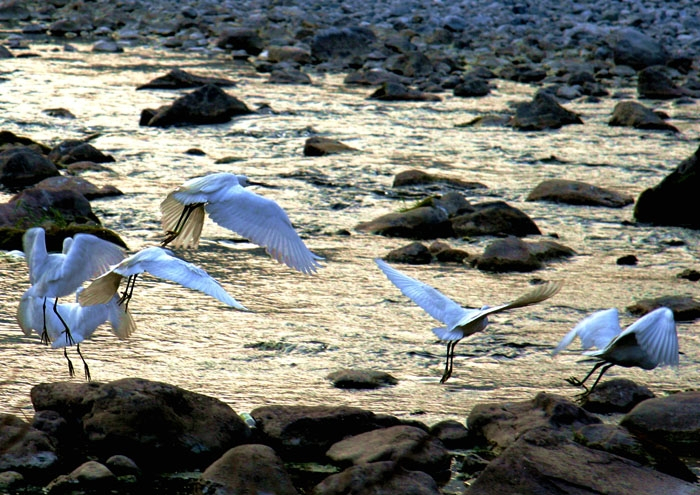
224, 197
649, 342
83, 321
460, 322
160, 263
60, 274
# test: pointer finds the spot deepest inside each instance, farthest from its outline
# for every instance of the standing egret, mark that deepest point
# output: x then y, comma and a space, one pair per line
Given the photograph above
60, 274
224, 197
161, 263
83, 321
460, 322
649, 342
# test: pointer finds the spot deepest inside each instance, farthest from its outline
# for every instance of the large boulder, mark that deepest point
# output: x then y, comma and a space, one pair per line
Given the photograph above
84, 187
39, 206
241, 39
378, 478
655, 83
543, 112
577, 193
494, 218
159, 426
25, 449
636, 49
342, 43
23, 166
634, 114
674, 201
180, 79
424, 222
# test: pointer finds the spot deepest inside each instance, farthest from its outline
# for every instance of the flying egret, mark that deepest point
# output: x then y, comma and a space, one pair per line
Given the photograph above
60, 274
224, 197
160, 263
83, 321
460, 322
649, 342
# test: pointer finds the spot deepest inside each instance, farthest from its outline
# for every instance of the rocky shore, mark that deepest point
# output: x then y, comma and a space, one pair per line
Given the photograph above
140, 436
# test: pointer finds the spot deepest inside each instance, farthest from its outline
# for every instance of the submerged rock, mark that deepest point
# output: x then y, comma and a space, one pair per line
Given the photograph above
634, 114
577, 193
543, 112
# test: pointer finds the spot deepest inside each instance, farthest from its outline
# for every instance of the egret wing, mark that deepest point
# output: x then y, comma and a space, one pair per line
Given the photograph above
88, 257
265, 223
596, 330
34, 247
30, 314
433, 302
656, 335
172, 210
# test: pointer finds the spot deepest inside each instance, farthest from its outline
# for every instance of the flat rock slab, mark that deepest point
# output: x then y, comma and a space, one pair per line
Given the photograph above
577, 193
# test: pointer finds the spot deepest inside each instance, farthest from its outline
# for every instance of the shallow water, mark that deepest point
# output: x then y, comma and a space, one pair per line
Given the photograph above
348, 315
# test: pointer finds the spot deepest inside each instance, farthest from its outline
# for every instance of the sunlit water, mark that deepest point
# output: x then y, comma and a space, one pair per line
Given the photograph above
348, 315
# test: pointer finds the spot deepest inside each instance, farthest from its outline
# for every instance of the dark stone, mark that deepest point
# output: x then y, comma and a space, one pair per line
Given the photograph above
628, 260
654, 83
378, 478
577, 193
413, 254
33, 207
496, 218
424, 222
636, 49
22, 167
87, 189
472, 87
180, 79
634, 114
689, 274
615, 396
543, 112
25, 449
320, 146
684, 308
288, 75
342, 43
393, 91
240, 38
361, 379
453, 434
508, 255
414, 177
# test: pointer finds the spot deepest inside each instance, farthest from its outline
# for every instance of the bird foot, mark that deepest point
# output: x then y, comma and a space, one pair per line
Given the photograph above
575, 381
170, 236
87, 372
445, 377
45, 337
71, 369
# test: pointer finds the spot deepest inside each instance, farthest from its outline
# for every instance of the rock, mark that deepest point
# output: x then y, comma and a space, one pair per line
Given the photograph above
508, 255
122, 465
11, 480
542, 462
206, 105
689, 274
495, 218
296, 54
636, 49
634, 114
410, 447
157, 425
60, 113
617, 440
241, 38
499, 425
414, 253
25, 449
522, 73
320, 146
577, 193
393, 91
74, 150
615, 396
414, 177
22, 167
452, 434
342, 43
91, 476
472, 87
543, 112
424, 222
288, 75
412, 64
671, 421
307, 432
247, 469
10, 140
180, 79
361, 379
674, 201
654, 83
546, 250
378, 478
490, 120
87, 189
34, 206
11, 237
627, 260
107, 46
684, 308
444, 253
374, 77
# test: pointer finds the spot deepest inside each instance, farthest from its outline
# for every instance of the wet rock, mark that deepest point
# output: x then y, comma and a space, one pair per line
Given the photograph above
25, 449
671, 421
157, 425
320, 146
543, 112
180, 79
75, 150
689, 274
445, 253
452, 434
415, 177
410, 447
628, 260
424, 222
60, 113
378, 478
542, 462
634, 114
107, 46
10, 140
617, 440
499, 425
490, 120
674, 201
247, 469
342, 43
288, 75
685, 308
636, 49
70, 27
508, 255
654, 83
617, 395
374, 77
241, 38
361, 379
522, 73
296, 54
577, 193
206, 105
88, 476
546, 250
495, 218
412, 64
34, 206
414, 253
122, 465
79, 167
11, 480
22, 167
472, 87
393, 91
307, 432
87, 189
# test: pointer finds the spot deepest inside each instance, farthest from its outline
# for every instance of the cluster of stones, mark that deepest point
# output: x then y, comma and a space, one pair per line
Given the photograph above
133, 434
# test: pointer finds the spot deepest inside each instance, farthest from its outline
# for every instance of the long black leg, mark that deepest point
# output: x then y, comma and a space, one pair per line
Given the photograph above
602, 372
580, 383
69, 337
85, 365
44, 333
128, 291
184, 216
449, 360
71, 370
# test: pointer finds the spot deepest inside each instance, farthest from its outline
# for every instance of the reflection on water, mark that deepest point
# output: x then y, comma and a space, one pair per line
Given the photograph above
348, 315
